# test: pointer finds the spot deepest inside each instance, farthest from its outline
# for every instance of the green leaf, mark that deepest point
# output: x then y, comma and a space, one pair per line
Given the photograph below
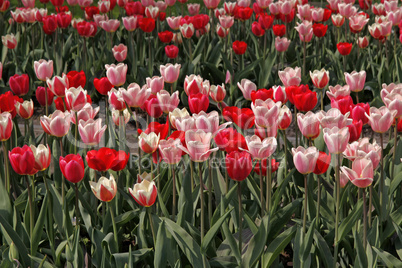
361, 257
323, 249
277, 246
308, 242
42, 262
212, 232
388, 259
350, 221
40, 223
120, 259
187, 244
257, 244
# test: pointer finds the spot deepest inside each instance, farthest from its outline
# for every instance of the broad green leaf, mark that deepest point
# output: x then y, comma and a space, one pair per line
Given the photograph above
213, 231
256, 244
277, 246
361, 257
40, 223
388, 259
323, 249
349, 222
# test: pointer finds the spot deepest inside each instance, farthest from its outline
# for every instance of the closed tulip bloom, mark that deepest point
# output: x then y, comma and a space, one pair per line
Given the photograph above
336, 139
317, 14
102, 85
120, 52
358, 112
25, 109
344, 48
284, 118
290, 76
22, 160
304, 28
347, 10
86, 113
362, 42
144, 193
91, 131
217, 93
260, 149
168, 102
221, 32
281, 44
177, 114
304, 12
148, 142
280, 94
193, 9
320, 79
211, 4
170, 72
76, 98
257, 30
238, 165
9, 41
6, 126
363, 148
172, 51
355, 80
209, 122
58, 85
239, 47
198, 102
243, 118
43, 69
135, 96
334, 118
116, 99
309, 125
109, 26
193, 84
357, 22
42, 156
198, 145
105, 189
170, 151
184, 123
72, 167
322, 164
56, 124
381, 119
156, 84
130, 23
361, 174
226, 21
116, 74
152, 107
116, 116
174, 22
64, 19
246, 87
266, 112
187, 30
19, 84
304, 159
337, 20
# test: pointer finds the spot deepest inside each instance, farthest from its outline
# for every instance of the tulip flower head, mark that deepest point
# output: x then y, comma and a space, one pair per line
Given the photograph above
238, 165
105, 189
361, 174
6, 126
22, 160
72, 167
42, 156
304, 159
144, 192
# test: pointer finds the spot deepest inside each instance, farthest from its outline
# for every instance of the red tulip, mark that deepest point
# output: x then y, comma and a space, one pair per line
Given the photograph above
87, 29
322, 164
165, 37
279, 30
262, 94
359, 111
239, 47
22, 160
198, 102
60, 105
134, 8
152, 107
161, 129
49, 24
342, 103
243, 13
90, 12
238, 165
6, 126
147, 25
257, 29
102, 159
57, 3
327, 14
265, 21
355, 130
64, 19
102, 85
76, 79
274, 166
244, 118
7, 103
344, 48
319, 29
171, 51
19, 84
72, 167
120, 160
302, 97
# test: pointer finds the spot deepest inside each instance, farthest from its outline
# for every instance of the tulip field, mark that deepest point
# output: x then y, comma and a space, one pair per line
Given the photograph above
199, 134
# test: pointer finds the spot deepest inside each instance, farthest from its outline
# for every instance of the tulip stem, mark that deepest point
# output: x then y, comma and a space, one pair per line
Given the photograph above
261, 191
357, 97
265, 47
77, 210
364, 220
122, 131
174, 192
31, 216
76, 132
296, 128
337, 188
344, 65
318, 201
382, 176
190, 50
209, 192
46, 105
304, 59
395, 144
305, 204
191, 175
201, 199
63, 180
269, 185
286, 150
322, 98
6, 165
370, 204
115, 233
240, 218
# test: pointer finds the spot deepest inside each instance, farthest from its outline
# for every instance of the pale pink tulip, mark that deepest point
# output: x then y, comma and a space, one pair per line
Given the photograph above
6, 126
347, 10
309, 125
334, 118
290, 76
320, 78
187, 30
304, 12
336, 139
193, 9
86, 113
217, 93
110, 26
176, 114
116, 73
338, 91
209, 123
306, 38
198, 145
43, 69
130, 23
281, 44
266, 112
363, 148
116, 116
170, 72
305, 159
304, 28
395, 16
185, 122
168, 102
152, 12
174, 22
393, 101
193, 84
355, 80
284, 118
148, 142
156, 84
246, 87
58, 85
361, 174
100, 17
135, 96
337, 20
9, 41
226, 21
381, 119
91, 131
116, 99
120, 52
264, 4
357, 22
317, 14
170, 151
285, 7
162, 5
56, 124
243, 3
260, 149
28, 3
274, 8
85, 3
42, 156
211, 4
343, 179
76, 98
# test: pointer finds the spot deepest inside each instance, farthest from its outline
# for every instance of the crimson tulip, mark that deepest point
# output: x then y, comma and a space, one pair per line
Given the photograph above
243, 13
198, 102
239, 47
319, 29
279, 30
120, 160
147, 25
103, 85
257, 29
165, 36
262, 94
7, 103
344, 48
238, 165
76, 79
171, 51
355, 130
90, 12
230, 140
244, 117
19, 84
22, 160
322, 164
49, 24
72, 167
64, 19
102, 159
6, 126
161, 129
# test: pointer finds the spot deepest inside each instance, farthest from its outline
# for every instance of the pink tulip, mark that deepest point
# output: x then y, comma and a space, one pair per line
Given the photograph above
226, 21
394, 16
361, 174
309, 125
338, 92
393, 101
135, 96
363, 148
147, 3
193, 84
6, 126
357, 22
347, 10
56, 124
246, 87
170, 72
28, 3
317, 14
198, 145
355, 80
177, 114
264, 4
1, 70
85, 3
320, 78
260, 149
187, 30
284, 118
91, 131
281, 44
120, 52
86, 113
168, 102
280, 94
130, 23
209, 123
334, 118
99, 17
286, 7
343, 179
221, 32
156, 84
42, 156
381, 119
193, 9
338, 20
116, 73
211, 4
274, 8
290, 76
363, 42
148, 142
170, 151
185, 122
217, 93
9, 41
58, 85
228, 7
305, 159
104, 6
110, 26
152, 12
25, 109
266, 112
336, 139
116, 99
306, 38
76, 98
116, 116
304, 28
243, 3
333, 4
174, 22
162, 5
43, 69
304, 12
